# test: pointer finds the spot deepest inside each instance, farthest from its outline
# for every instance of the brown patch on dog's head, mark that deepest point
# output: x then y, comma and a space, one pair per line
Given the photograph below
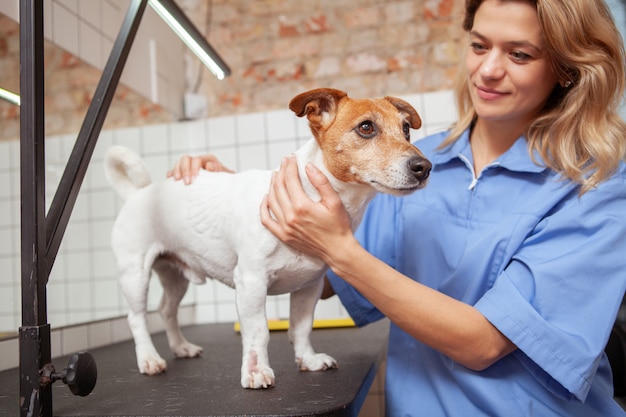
403, 106
319, 106
365, 141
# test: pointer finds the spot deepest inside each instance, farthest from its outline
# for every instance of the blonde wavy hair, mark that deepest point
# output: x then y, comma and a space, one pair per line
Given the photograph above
579, 132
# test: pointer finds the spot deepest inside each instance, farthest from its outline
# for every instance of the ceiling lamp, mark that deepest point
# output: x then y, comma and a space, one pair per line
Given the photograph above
10, 97
189, 34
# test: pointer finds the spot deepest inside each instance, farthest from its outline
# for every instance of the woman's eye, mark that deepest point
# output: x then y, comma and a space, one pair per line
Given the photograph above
406, 129
477, 47
520, 56
366, 129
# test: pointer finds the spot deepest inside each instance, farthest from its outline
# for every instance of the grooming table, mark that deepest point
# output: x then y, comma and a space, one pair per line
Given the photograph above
210, 385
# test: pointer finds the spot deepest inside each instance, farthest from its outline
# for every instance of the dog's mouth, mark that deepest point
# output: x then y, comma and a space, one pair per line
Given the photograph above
399, 191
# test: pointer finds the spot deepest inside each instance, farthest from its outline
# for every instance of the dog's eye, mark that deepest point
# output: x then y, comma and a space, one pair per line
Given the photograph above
366, 129
406, 129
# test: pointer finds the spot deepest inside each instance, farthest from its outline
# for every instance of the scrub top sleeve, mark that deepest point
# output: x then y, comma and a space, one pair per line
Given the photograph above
377, 234
558, 297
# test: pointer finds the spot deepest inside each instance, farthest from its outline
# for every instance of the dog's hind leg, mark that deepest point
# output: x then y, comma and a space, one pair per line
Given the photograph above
134, 282
301, 310
174, 289
251, 294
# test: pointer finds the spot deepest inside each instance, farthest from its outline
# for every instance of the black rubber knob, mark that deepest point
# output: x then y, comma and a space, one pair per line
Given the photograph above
81, 373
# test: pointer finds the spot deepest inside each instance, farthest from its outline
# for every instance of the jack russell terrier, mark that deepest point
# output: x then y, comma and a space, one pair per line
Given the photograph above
212, 229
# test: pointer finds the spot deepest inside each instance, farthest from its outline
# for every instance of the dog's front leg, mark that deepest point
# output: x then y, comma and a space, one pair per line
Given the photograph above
301, 311
255, 368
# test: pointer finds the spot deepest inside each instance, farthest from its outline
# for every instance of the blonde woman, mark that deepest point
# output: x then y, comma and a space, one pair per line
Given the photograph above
503, 277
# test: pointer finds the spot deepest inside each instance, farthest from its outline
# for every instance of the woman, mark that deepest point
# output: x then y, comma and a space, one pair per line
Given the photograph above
503, 277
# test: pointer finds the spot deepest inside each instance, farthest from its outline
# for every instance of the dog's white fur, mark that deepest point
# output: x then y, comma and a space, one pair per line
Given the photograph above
212, 228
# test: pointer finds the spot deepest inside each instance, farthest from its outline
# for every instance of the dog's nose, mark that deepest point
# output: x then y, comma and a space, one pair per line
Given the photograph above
420, 167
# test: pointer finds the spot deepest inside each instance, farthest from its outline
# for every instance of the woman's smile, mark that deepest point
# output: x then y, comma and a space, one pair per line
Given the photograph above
489, 94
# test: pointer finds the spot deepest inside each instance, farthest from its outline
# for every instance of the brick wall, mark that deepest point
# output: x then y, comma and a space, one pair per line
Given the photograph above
366, 47
276, 49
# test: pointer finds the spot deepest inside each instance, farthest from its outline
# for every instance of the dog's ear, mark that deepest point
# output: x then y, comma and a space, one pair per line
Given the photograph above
403, 106
316, 103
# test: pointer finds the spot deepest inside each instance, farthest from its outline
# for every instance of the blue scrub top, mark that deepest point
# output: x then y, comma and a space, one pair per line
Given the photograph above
546, 266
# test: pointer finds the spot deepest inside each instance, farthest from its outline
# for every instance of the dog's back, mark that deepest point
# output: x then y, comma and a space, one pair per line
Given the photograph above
205, 228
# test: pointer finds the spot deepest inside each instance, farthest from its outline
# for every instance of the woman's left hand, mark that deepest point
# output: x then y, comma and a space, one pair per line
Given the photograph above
317, 228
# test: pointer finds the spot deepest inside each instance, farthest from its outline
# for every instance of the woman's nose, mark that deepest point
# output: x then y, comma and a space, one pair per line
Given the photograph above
492, 66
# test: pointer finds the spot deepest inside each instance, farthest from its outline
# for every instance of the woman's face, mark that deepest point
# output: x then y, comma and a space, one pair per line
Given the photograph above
510, 77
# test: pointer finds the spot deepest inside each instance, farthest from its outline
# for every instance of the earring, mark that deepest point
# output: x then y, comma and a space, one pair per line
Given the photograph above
566, 84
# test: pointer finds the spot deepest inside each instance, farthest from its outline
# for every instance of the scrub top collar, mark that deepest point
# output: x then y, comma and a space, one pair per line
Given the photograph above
516, 158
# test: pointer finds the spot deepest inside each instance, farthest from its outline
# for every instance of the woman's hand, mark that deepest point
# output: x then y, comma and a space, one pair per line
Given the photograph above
188, 167
317, 228
323, 229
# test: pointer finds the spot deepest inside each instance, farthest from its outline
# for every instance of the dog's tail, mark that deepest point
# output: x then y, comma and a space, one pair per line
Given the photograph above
125, 170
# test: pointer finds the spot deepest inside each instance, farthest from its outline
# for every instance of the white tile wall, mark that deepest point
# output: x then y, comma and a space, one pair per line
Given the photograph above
83, 284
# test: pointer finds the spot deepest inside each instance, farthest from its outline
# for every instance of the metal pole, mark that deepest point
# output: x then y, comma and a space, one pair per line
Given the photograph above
35, 332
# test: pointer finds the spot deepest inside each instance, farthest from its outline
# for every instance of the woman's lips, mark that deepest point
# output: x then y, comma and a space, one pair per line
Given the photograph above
489, 93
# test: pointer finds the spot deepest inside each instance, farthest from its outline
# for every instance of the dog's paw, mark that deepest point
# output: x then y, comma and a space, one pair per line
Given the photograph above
258, 378
152, 365
317, 362
186, 350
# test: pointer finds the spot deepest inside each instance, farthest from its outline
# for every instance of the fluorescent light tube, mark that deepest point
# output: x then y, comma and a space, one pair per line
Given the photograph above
10, 97
220, 70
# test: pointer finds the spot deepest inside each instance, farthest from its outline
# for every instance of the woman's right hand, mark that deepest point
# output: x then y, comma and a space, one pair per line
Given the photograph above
188, 167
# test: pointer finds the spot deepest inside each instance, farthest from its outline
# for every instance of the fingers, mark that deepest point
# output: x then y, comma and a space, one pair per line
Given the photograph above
182, 169
211, 163
174, 172
277, 197
188, 167
191, 170
328, 195
293, 185
277, 206
266, 218
214, 166
287, 199
292, 201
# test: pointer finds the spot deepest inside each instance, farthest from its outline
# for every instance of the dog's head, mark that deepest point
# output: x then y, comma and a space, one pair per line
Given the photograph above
366, 141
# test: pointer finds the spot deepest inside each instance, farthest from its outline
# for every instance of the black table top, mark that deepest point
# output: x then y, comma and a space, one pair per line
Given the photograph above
210, 385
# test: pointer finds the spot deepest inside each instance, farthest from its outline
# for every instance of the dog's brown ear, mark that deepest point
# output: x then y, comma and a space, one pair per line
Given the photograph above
315, 103
403, 106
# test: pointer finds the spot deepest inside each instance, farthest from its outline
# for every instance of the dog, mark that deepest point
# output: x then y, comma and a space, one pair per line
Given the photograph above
212, 229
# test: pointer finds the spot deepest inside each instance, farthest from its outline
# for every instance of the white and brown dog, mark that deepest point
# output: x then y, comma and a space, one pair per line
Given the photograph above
212, 229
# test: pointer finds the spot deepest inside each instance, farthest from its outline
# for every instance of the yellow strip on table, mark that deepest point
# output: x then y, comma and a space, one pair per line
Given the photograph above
317, 324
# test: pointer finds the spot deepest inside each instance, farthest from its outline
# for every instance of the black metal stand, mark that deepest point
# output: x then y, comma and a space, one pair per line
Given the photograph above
41, 235
35, 332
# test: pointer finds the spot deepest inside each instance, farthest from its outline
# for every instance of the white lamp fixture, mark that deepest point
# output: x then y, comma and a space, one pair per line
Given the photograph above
187, 32
9, 96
